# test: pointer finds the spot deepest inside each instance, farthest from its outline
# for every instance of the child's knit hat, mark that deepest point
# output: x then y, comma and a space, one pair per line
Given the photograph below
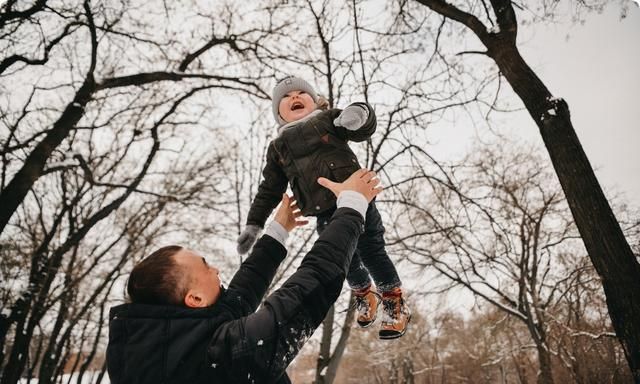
288, 84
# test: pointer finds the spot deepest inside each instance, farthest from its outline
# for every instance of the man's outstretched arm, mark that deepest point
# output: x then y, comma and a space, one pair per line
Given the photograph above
261, 346
250, 283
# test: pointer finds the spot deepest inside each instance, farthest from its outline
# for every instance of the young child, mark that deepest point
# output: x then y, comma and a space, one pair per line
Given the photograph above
312, 143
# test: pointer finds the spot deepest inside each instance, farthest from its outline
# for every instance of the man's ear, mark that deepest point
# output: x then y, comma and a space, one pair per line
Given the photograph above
193, 300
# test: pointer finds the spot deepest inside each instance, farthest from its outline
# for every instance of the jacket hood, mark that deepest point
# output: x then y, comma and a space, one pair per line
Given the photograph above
154, 343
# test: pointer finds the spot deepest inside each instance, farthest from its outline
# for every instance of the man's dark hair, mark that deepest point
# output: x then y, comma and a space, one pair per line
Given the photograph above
158, 279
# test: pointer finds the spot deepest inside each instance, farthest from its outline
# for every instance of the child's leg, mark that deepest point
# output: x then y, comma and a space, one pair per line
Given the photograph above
358, 276
366, 299
371, 248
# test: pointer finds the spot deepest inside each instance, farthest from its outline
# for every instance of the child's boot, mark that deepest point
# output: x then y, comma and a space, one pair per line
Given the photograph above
396, 315
367, 302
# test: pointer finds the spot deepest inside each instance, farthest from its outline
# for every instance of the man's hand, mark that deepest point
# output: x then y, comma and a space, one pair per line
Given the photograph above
362, 181
288, 213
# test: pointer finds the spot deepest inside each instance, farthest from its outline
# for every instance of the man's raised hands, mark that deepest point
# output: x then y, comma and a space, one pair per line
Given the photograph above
362, 181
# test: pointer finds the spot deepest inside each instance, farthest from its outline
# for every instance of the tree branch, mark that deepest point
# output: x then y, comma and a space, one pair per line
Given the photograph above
9, 14
454, 13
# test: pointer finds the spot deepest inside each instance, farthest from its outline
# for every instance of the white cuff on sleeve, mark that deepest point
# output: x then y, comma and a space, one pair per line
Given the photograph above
354, 200
277, 232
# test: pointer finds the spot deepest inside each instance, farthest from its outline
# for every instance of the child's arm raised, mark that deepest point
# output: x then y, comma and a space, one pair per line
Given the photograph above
270, 191
357, 122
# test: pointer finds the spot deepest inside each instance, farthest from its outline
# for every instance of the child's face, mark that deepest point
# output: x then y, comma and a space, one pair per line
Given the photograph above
295, 105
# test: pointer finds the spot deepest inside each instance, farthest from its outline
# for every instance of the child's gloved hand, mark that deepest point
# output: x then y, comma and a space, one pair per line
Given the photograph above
353, 117
247, 238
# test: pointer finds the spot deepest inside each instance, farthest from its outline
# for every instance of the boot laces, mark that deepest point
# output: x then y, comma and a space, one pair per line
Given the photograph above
390, 306
362, 304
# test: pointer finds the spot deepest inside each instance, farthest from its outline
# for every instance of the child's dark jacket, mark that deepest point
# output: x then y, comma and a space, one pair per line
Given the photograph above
307, 150
229, 342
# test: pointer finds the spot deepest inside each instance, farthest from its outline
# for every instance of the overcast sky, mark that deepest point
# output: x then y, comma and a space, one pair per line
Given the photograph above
596, 68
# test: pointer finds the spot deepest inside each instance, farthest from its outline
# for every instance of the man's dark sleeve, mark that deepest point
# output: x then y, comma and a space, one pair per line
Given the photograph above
361, 134
260, 346
274, 183
251, 281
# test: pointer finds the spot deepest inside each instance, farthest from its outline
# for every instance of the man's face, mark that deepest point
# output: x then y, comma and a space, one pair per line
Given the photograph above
295, 105
203, 282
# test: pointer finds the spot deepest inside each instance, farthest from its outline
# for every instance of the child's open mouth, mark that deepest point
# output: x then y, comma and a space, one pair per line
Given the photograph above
297, 105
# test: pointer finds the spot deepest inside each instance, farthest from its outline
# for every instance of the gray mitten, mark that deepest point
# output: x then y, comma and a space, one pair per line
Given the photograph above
247, 238
353, 117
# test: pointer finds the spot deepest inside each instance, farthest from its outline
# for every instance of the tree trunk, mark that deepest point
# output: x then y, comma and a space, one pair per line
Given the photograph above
324, 356
606, 245
520, 369
407, 370
15, 192
329, 361
545, 375
42, 279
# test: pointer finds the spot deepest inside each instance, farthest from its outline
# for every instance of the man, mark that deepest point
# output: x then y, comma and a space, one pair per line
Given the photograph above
183, 327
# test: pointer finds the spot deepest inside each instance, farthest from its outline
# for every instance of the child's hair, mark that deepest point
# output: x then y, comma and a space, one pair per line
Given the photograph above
322, 103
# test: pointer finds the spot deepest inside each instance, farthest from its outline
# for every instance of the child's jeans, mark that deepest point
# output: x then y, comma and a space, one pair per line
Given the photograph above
370, 257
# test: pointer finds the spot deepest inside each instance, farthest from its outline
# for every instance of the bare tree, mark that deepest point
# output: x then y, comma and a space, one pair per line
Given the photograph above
495, 24
99, 207
506, 235
93, 178
101, 25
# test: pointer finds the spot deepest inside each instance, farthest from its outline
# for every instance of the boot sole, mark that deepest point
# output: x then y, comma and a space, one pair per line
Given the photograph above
392, 336
366, 325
